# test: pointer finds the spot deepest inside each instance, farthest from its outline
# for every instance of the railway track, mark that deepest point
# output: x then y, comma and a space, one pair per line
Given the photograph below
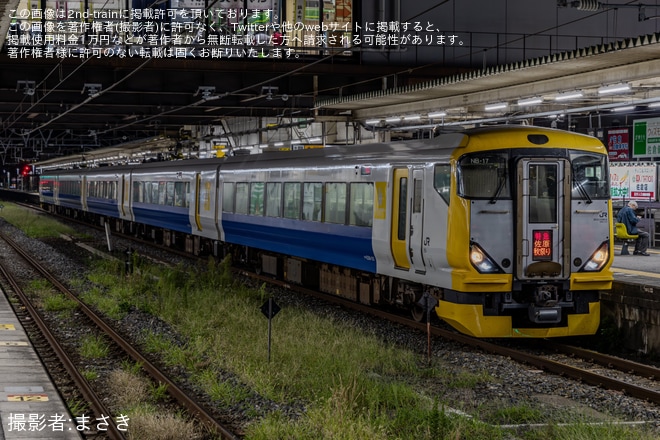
649, 391
589, 375
588, 372
185, 401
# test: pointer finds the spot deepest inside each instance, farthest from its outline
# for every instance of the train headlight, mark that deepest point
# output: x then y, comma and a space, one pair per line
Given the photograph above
481, 261
597, 259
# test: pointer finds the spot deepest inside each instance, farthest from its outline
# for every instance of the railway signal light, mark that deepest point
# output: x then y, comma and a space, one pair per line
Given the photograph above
26, 170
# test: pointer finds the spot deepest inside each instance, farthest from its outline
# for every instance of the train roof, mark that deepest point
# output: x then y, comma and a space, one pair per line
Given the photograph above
440, 147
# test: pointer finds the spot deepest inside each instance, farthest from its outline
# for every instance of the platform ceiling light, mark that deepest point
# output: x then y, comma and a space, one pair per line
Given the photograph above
372, 122
625, 108
437, 115
614, 88
569, 95
393, 119
496, 106
411, 117
654, 104
530, 101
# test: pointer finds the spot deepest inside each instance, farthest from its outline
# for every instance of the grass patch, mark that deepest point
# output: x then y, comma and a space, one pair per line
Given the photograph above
93, 347
51, 300
34, 224
89, 375
59, 303
516, 414
77, 407
346, 384
134, 396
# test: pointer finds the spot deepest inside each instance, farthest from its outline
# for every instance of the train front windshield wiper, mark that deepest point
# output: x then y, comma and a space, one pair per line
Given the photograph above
583, 192
500, 186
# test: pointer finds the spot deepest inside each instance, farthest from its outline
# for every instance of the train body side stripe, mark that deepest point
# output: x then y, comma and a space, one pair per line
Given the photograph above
168, 217
107, 207
348, 245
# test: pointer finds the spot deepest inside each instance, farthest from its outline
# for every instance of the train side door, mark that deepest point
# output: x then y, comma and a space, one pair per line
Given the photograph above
83, 192
543, 230
416, 230
125, 197
398, 232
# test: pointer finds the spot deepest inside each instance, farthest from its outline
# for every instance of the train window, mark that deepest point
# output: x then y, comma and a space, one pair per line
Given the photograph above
590, 176
162, 193
257, 198
169, 194
71, 187
242, 199
153, 198
146, 193
484, 176
137, 192
335, 203
228, 197
292, 200
274, 199
403, 208
543, 193
442, 180
361, 210
312, 201
181, 194
417, 196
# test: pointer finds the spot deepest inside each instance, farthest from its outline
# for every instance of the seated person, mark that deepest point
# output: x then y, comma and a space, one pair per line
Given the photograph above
628, 217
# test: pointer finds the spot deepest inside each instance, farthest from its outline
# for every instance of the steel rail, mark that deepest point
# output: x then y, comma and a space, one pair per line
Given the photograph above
80, 381
175, 391
625, 365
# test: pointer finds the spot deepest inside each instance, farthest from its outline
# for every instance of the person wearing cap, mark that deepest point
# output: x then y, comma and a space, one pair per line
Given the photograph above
629, 217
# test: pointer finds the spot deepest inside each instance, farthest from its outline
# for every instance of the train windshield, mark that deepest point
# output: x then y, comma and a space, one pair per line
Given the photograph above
484, 176
590, 176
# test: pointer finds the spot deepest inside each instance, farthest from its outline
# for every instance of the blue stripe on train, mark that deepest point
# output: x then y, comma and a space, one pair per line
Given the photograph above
347, 246
168, 217
107, 207
69, 201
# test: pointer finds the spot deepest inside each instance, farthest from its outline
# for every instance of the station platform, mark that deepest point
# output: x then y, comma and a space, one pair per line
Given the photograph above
30, 405
637, 268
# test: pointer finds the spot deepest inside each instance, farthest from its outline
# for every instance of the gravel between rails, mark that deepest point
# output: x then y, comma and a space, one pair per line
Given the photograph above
514, 383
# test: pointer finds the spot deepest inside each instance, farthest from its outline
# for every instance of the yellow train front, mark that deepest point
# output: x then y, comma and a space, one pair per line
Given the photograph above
528, 234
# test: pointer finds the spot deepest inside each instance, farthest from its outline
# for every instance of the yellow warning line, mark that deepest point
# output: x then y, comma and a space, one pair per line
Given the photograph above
618, 270
27, 398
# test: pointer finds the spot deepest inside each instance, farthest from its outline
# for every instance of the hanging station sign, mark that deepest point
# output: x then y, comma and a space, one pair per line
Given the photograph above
646, 138
618, 146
